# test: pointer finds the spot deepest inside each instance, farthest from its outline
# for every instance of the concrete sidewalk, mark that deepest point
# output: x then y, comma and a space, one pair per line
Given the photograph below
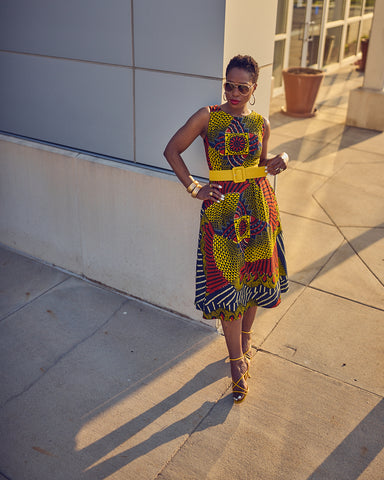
96, 385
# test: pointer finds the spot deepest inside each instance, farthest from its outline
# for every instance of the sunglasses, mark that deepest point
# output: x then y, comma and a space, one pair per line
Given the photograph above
244, 88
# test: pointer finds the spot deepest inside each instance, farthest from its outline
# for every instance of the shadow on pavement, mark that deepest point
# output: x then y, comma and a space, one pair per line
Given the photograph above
363, 238
182, 427
312, 146
362, 445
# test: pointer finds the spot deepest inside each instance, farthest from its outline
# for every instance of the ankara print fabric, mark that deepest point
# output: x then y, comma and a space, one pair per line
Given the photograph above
241, 257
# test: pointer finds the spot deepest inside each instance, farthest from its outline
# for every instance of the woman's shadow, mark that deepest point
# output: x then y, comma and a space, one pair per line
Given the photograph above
185, 426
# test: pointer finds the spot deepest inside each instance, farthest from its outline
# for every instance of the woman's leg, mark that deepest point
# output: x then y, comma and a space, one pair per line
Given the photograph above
232, 334
248, 319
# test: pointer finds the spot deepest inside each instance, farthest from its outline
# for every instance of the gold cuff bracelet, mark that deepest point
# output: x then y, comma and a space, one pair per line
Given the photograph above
196, 190
191, 187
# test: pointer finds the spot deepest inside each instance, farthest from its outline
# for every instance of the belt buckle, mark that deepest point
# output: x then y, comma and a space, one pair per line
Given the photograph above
238, 174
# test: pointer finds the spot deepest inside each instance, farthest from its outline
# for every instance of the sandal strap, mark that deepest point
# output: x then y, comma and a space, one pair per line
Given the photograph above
251, 331
238, 389
242, 392
235, 359
236, 385
247, 354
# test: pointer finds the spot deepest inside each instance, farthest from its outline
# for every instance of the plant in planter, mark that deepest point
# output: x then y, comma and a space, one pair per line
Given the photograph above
364, 44
301, 86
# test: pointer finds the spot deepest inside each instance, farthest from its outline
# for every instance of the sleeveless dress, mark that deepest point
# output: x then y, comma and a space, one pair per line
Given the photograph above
240, 257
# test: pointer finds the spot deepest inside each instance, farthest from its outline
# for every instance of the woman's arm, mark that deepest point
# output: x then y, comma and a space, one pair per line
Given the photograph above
196, 126
277, 163
183, 138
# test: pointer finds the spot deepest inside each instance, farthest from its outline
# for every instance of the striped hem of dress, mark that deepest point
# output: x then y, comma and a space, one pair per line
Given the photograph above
230, 300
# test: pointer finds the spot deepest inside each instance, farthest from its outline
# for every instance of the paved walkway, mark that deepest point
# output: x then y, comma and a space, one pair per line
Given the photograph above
95, 385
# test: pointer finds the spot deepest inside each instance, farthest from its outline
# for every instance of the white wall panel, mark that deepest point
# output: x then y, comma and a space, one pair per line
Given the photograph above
180, 36
81, 105
263, 91
250, 29
95, 30
174, 98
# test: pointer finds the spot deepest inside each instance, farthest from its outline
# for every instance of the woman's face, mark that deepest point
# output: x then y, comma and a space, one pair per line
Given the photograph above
238, 76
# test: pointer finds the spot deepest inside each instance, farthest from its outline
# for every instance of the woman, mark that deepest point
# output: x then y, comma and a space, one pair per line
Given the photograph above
240, 259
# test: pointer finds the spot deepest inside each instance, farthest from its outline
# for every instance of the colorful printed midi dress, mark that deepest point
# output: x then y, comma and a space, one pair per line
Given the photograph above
241, 257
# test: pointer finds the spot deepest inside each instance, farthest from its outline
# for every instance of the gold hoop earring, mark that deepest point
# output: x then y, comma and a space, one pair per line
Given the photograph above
254, 99
224, 97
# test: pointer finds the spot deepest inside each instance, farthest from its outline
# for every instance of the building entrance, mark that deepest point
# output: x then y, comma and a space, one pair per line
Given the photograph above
319, 33
305, 33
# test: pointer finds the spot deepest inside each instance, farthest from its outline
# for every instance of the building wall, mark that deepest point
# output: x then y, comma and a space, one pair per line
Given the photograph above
110, 222
106, 76
116, 79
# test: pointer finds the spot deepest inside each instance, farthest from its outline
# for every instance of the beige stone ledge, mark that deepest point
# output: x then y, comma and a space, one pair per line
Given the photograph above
366, 109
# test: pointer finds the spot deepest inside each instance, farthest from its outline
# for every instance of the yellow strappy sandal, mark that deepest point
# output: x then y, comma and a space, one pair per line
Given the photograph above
238, 389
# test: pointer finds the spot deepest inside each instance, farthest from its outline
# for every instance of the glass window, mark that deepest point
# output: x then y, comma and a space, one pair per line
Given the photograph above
316, 16
313, 50
366, 28
355, 8
282, 12
351, 39
369, 6
332, 45
278, 62
314, 33
297, 32
336, 10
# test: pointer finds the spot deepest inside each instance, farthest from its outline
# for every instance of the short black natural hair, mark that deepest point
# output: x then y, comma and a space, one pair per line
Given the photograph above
246, 62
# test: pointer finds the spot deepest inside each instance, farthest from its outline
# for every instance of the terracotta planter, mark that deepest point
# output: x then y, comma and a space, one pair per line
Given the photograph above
301, 87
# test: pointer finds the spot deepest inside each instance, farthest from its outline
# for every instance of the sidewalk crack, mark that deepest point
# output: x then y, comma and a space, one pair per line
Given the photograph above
62, 356
310, 369
195, 429
20, 307
5, 476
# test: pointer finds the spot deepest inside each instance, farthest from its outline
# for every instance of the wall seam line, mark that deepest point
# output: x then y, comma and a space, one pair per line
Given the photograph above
133, 83
117, 65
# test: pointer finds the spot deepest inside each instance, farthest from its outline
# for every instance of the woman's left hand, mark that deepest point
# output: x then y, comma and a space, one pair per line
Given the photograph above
277, 164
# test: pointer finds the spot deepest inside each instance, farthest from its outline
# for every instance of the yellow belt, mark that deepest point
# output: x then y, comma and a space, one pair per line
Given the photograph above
237, 174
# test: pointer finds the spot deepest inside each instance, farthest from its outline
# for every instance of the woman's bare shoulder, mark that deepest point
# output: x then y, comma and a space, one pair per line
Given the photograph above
199, 120
202, 114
